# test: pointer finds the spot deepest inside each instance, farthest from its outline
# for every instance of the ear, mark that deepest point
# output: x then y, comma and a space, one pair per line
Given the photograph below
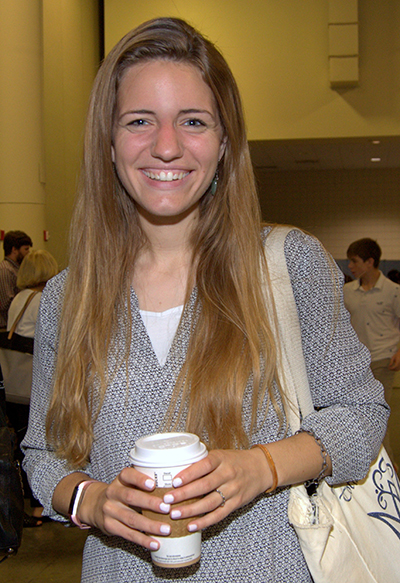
370, 262
222, 147
14, 253
112, 153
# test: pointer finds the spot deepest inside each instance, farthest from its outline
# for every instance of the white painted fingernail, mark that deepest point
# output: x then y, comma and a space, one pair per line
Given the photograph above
154, 545
168, 499
165, 507
165, 528
149, 483
192, 527
176, 482
176, 514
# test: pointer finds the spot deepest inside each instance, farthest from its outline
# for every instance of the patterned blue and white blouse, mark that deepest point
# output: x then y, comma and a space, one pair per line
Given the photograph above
255, 544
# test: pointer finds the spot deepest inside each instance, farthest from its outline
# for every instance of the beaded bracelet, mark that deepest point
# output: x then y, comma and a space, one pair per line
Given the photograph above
271, 464
324, 455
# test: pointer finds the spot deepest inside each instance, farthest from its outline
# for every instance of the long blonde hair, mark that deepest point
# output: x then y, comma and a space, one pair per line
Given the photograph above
232, 340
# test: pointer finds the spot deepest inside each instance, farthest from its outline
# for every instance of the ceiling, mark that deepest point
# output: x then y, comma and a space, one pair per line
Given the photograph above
321, 154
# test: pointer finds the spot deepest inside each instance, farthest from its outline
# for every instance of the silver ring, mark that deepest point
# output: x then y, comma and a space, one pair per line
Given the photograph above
222, 496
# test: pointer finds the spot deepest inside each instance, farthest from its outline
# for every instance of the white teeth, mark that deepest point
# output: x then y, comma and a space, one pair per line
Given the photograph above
166, 176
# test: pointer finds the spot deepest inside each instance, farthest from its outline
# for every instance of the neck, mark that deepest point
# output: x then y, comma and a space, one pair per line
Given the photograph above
39, 287
164, 266
369, 279
168, 251
169, 236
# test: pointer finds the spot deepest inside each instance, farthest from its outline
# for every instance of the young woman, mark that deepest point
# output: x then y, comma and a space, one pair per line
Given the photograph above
161, 323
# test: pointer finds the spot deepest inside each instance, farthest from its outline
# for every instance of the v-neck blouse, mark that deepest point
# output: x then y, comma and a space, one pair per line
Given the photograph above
254, 543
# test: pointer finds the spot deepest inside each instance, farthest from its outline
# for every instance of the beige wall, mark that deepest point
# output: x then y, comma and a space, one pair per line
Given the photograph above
278, 51
22, 191
337, 206
71, 58
49, 56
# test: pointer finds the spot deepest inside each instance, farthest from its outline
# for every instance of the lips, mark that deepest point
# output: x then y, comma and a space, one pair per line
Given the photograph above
162, 176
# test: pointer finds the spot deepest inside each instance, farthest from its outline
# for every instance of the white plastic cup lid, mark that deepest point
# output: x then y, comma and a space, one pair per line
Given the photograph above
167, 450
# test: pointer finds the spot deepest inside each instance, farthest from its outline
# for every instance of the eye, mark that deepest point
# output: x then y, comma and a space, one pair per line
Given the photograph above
194, 123
137, 125
137, 122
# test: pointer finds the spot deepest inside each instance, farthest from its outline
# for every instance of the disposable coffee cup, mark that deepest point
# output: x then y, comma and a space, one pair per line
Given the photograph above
161, 457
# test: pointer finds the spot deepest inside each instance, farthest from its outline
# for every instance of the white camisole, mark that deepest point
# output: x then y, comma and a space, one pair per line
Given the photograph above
161, 328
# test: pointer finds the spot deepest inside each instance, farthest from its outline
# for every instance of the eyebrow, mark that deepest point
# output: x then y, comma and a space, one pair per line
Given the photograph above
150, 112
185, 111
140, 111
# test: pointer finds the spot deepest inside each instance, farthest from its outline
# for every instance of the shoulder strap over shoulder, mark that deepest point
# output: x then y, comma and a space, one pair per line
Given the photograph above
18, 318
293, 373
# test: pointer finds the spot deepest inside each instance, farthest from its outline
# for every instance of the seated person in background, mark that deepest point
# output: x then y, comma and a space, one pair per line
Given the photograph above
36, 269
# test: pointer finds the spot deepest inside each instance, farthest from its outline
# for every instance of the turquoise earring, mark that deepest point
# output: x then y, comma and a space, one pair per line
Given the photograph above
214, 184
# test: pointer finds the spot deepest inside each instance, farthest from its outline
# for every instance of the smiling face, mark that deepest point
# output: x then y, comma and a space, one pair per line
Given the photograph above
167, 139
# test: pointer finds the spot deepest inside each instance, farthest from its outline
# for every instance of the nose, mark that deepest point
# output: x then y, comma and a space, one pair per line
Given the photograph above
167, 145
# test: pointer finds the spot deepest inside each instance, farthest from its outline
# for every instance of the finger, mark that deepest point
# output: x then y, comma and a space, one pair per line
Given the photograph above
134, 498
126, 522
133, 488
197, 470
193, 490
132, 478
135, 536
207, 520
205, 505
141, 539
219, 508
224, 507
199, 479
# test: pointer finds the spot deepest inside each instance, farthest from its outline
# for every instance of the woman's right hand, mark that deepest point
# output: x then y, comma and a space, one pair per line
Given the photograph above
116, 508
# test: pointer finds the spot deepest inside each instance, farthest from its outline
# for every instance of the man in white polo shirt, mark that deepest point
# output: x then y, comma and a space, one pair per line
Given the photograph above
374, 305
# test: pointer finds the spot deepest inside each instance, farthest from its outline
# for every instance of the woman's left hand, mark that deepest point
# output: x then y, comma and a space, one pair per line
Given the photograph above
240, 475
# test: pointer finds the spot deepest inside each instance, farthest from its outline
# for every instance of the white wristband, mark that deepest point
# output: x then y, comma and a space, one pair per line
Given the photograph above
76, 500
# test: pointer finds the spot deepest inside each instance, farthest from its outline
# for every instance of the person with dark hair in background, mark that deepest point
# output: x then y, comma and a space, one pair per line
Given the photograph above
161, 322
373, 301
394, 275
16, 245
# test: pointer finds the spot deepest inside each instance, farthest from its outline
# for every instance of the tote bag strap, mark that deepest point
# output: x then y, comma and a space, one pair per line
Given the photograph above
18, 318
291, 365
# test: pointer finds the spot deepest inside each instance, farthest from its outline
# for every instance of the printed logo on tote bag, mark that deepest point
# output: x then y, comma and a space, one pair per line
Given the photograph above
387, 489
